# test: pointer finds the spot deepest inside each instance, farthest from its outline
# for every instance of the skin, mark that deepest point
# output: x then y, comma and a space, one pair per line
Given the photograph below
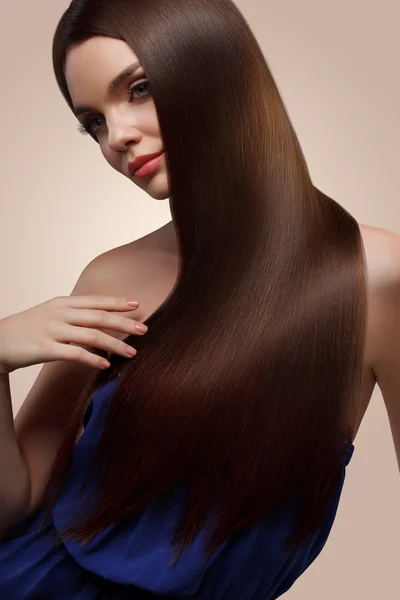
128, 127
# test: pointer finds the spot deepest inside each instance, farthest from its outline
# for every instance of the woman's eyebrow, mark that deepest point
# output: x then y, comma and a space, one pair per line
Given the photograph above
111, 88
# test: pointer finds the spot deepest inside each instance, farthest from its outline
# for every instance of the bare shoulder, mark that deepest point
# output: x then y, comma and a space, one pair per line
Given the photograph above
144, 270
382, 252
382, 249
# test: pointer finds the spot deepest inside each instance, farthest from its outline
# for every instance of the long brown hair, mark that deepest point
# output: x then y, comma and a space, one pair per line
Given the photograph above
246, 385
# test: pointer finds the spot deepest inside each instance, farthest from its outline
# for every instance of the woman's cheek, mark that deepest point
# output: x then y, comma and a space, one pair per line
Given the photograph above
113, 161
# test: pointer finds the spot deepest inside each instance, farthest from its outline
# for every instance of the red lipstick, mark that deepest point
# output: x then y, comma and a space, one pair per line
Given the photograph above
145, 164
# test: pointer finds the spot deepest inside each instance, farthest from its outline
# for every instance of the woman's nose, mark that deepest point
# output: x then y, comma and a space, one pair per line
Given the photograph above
120, 134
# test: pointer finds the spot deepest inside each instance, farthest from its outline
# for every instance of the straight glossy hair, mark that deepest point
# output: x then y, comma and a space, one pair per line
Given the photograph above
246, 387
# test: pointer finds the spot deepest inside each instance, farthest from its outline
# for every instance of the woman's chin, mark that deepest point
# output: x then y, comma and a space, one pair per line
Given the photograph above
156, 187
160, 196
158, 190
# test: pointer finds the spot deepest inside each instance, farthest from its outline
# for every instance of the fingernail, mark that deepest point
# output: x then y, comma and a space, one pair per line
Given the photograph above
133, 303
142, 328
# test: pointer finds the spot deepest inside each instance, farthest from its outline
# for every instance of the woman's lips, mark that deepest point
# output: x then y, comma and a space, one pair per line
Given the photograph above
148, 167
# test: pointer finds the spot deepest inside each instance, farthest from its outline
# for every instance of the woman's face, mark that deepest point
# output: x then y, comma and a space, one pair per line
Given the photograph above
124, 119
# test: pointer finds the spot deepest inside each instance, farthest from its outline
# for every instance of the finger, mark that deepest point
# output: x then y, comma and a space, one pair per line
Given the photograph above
78, 354
115, 303
97, 339
102, 319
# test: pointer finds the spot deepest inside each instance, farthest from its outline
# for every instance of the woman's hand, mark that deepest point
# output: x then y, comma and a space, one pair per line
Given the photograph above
49, 332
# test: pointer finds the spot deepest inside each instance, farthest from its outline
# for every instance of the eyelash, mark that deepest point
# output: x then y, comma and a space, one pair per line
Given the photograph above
84, 128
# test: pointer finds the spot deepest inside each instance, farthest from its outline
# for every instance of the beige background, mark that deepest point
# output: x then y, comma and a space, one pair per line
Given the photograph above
336, 64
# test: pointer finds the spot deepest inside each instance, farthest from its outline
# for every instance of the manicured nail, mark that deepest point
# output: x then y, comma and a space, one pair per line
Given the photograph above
133, 303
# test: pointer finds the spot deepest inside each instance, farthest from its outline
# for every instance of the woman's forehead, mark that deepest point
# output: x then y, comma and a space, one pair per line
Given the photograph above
92, 64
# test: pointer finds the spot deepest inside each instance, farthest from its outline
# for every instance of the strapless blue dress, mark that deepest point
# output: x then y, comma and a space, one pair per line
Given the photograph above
130, 560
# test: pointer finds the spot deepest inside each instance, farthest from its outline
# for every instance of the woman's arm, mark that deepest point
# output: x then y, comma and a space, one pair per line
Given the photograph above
386, 306
40, 422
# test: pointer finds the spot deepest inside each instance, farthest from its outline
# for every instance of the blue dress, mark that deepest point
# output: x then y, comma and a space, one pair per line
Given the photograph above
130, 560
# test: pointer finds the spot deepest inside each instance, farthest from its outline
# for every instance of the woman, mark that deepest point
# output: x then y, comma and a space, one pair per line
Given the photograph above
211, 464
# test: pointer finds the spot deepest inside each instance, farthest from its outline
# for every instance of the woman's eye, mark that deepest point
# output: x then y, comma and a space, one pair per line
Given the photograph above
91, 125
87, 127
138, 87
94, 124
